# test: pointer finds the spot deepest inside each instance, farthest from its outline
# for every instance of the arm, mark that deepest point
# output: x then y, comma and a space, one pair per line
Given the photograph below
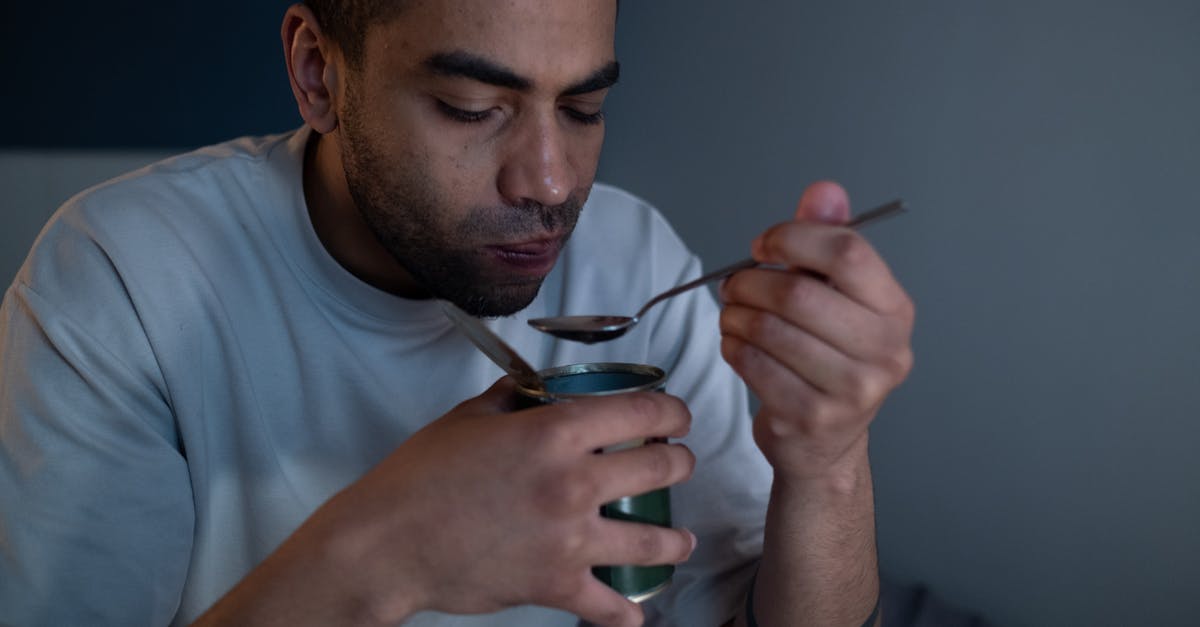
95, 502
484, 509
819, 553
822, 344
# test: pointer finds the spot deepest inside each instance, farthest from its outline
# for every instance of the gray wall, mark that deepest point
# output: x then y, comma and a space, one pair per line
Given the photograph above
1039, 464
36, 181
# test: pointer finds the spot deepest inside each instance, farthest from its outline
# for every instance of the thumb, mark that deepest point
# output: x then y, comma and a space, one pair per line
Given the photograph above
500, 398
824, 201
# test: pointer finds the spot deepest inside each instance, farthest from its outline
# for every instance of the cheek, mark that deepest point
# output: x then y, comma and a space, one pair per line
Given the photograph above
584, 156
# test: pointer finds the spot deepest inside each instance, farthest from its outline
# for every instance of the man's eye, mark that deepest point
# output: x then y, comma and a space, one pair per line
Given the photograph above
584, 118
463, 115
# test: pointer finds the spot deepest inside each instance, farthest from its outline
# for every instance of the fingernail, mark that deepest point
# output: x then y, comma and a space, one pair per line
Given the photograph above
694, 540
828, 214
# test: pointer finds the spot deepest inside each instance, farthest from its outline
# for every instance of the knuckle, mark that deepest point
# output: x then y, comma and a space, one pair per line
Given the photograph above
644, 406
561, 590
850, 249
660, 465
823, 419
569, 545
663, 412
549, 434
760, 326
856, 384
900, 364
865, 387
650, 544
731, 288
564, 494
749, 360
798, 292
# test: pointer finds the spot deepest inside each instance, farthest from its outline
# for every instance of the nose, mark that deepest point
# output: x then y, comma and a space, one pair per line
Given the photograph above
538, 168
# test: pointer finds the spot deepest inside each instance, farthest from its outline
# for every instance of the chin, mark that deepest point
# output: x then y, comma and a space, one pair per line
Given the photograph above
497, 302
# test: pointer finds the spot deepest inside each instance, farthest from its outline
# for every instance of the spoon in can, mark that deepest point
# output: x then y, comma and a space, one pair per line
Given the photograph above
592, 329
495, 348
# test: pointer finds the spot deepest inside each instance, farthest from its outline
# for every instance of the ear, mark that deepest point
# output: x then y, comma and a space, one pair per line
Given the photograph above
312, 68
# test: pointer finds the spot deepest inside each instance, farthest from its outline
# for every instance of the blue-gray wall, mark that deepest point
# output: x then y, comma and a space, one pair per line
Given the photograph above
1038, 466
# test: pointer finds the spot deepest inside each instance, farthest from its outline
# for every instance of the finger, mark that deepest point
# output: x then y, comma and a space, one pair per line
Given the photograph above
811, 304
859, 384
639, 470
824, 201
591, 423
848, 260
806, 355
597, 603
775, 386
619, 542
501, 397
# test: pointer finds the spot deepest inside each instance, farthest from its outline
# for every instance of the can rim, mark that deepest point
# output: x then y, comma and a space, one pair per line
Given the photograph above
658, 374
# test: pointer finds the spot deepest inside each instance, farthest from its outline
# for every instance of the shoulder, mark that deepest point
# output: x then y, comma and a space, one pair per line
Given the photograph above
147, 216
196, 185
152, 235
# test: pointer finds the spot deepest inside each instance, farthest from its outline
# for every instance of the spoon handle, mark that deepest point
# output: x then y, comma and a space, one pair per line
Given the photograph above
711, 276
878, 213
495, 348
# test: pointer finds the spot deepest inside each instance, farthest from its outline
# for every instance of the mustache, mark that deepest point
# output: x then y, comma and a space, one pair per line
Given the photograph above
525, 218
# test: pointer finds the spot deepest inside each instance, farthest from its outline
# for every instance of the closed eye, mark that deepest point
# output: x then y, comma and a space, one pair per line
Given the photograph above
582, 117
466, 116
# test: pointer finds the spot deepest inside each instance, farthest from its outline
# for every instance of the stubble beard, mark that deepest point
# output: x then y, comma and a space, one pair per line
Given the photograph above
403, 211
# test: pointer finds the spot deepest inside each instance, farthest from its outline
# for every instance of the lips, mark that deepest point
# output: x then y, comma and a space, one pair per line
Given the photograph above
533, 258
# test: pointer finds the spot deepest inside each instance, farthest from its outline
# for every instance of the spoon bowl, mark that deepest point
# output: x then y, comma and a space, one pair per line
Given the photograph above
592, 329
587, 329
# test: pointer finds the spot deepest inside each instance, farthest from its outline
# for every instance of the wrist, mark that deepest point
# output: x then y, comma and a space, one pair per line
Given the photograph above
370, 592
848, 475
301, 583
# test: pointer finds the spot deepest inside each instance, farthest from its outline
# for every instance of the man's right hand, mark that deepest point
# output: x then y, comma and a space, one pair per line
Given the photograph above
483, 509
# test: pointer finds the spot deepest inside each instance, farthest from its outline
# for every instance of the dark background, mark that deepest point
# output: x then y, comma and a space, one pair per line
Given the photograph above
142, 74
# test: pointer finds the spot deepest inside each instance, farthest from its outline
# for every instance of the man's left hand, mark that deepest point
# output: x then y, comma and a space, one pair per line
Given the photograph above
821, 339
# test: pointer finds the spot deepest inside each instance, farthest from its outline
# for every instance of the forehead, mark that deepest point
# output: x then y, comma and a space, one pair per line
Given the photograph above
553, 42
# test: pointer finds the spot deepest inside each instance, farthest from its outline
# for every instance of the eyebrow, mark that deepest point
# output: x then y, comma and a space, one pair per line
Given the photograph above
461, 64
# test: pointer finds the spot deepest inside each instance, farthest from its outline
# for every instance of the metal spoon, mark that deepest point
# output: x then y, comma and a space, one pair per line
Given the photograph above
592, 329
495, 348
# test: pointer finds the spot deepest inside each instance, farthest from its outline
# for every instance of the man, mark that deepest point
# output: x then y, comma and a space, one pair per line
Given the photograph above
230, 397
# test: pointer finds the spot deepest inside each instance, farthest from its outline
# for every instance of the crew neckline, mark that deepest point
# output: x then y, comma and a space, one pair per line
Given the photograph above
300, 242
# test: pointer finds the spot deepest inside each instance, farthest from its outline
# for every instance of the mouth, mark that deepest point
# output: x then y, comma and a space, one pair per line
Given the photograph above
532, 258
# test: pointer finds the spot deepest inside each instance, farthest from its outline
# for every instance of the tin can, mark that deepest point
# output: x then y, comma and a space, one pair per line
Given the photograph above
637, 583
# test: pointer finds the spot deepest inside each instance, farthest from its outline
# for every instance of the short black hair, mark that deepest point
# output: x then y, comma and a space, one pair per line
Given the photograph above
346, 22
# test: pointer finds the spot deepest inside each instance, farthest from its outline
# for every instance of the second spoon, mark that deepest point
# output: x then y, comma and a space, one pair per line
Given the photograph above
592, 329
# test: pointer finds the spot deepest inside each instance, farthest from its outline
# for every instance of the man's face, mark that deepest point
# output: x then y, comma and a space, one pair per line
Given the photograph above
470, 137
